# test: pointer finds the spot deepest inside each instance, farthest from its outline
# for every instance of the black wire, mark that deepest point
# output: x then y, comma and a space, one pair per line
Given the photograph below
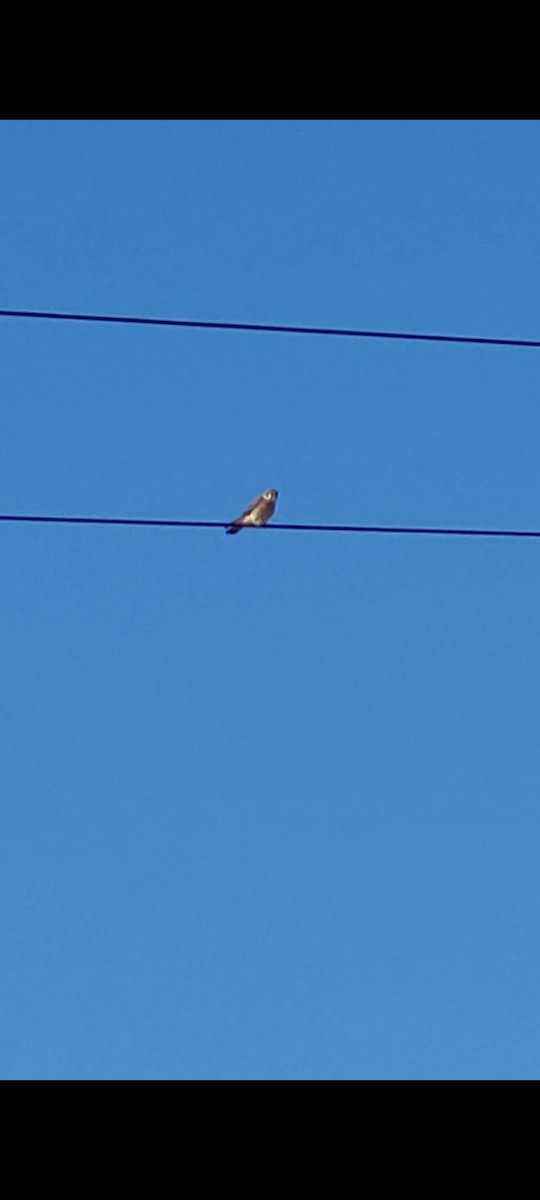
402, 529
248, 327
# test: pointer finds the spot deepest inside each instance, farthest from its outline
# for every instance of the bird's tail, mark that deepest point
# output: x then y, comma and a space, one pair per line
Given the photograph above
233, 529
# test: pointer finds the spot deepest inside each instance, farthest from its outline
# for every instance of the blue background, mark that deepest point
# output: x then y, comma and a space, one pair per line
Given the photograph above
270, 804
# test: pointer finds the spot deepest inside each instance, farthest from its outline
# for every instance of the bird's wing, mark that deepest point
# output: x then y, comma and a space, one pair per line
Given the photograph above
248, 511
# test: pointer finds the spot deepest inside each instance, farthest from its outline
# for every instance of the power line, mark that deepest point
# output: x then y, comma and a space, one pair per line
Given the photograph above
249, 327
174, 524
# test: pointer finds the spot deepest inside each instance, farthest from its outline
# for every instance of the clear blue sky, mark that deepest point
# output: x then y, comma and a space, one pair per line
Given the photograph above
270, 804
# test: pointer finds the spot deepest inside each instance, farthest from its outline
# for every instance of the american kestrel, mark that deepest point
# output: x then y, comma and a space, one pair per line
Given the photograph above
258, 513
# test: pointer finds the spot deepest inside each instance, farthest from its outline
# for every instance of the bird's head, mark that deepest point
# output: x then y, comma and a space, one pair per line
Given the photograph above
271, 494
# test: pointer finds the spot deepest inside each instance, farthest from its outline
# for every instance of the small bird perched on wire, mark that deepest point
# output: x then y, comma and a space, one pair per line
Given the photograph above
258, 512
